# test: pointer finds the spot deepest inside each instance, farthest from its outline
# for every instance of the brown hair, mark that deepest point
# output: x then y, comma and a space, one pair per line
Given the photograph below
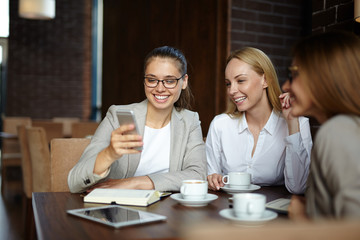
261, 64
329, 64
186, 97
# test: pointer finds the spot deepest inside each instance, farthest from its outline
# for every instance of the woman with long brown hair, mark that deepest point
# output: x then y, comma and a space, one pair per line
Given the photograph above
325, 84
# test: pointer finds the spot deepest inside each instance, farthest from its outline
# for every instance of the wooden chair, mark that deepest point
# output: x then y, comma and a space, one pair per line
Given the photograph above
67, 124
29, 223
65, 153
84, 129
40, 159
25, 161
52, 129
10, 149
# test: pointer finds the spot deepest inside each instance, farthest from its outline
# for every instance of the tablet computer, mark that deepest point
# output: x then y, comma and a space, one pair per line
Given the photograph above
116, 216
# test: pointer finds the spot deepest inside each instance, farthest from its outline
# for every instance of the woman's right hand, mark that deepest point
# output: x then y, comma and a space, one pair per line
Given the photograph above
215, 181
297, 208
122, 143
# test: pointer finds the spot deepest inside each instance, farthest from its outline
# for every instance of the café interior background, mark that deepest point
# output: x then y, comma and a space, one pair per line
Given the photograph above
74, 66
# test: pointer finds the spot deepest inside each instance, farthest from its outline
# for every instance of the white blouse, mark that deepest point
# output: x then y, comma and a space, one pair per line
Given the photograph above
155, 156
278, 157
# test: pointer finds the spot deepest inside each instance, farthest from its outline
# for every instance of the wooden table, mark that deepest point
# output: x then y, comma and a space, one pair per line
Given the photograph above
52, 221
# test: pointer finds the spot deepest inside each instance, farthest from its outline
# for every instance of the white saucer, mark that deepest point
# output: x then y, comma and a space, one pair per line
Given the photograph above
194, 202
250, 188
268, 215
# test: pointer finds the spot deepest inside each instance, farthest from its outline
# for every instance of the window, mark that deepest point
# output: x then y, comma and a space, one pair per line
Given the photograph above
4, 34
4, 18
97, 59
3, 67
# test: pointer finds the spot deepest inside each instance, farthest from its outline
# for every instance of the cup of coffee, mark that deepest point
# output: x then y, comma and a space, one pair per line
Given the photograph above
194, 189
249, 205
237, 179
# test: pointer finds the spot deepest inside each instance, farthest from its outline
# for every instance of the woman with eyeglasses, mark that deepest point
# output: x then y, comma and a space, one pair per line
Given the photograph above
326, 85
170, 135
257, 134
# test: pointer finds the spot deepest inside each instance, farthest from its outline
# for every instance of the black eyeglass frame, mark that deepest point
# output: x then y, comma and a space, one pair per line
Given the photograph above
162, 81
293, 72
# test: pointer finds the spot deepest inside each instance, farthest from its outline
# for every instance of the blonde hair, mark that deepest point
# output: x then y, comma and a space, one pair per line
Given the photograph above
261, 64
329, 65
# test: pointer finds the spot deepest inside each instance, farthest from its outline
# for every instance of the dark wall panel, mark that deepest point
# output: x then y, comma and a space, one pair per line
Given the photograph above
197, 27
131, 29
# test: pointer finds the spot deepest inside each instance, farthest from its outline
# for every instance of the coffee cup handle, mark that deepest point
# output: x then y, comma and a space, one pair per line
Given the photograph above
227, 178
182, 189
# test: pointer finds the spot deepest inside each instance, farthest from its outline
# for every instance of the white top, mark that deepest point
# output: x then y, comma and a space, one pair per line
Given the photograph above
278, 157
155, 156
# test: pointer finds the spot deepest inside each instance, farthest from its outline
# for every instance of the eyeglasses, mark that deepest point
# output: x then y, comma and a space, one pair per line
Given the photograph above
168, 83
293, 72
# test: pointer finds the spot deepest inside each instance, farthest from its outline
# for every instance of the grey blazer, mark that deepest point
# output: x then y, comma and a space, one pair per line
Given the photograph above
187, 152
334, 179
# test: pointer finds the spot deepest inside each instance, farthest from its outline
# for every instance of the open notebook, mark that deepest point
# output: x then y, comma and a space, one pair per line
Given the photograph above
124, 196
279, 205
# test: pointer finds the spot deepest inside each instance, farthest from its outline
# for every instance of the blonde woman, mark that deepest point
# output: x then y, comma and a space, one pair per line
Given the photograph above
257, 134
325, 84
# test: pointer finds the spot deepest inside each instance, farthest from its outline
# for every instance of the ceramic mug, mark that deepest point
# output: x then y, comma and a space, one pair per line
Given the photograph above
194, 189
249, 205
237, 179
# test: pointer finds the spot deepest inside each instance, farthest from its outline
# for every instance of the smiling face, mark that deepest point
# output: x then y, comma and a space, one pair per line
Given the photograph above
245, 87
301, 103
162, 98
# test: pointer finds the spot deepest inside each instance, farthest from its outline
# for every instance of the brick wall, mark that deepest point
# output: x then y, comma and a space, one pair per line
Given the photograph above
272, 26
49, 63
332, 14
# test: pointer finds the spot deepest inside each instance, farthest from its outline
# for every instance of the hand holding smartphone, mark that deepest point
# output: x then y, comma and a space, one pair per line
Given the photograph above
126, 117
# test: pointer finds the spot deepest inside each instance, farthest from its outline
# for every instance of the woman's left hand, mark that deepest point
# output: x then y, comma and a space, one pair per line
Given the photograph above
285, 100
293, 122
113, 183
142, 182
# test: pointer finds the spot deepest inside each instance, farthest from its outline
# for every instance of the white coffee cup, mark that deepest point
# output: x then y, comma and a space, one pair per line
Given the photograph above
249, 205
194, 189
237, 179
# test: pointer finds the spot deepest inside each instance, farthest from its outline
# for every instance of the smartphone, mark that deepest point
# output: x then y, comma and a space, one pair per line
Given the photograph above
126, 117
